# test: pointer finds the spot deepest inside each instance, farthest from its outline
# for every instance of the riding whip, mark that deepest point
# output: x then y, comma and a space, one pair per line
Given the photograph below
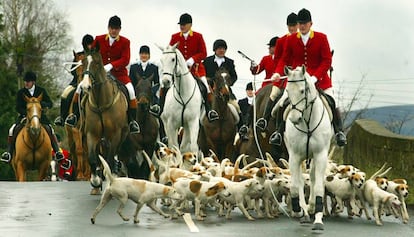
245, 56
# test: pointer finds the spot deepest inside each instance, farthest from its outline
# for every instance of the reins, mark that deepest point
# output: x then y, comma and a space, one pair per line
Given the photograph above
177, 90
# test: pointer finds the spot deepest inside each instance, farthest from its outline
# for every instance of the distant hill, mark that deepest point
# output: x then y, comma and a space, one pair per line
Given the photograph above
388, 114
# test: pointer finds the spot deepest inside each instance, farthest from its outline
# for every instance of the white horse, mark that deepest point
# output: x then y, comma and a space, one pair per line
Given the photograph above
182, 102
307, 136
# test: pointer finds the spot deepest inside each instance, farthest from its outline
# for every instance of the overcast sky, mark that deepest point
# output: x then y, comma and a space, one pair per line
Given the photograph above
371, 38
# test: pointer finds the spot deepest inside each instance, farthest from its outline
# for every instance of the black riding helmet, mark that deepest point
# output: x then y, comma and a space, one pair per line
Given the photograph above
219, 44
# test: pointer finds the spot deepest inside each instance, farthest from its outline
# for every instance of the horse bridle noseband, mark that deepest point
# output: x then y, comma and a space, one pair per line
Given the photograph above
174, 73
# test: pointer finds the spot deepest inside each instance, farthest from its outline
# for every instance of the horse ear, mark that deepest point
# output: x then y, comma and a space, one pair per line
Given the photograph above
160, 47
286, 70
303, 69
74, 53
40, 97
175, 45
26, 98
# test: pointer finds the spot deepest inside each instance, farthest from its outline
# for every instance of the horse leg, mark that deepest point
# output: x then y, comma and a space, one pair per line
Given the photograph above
20, 171
319, 167
297, 192
44, 167
194, 130
95, 180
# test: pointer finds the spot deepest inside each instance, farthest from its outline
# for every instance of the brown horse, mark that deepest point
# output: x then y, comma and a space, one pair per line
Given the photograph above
33, 147
131, 151
219, 135
105, 123
249, 147
77, 145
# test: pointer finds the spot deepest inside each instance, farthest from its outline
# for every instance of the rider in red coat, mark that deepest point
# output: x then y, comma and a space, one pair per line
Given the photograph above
267, 63
278, 86
115, 52
192, 46
311, 49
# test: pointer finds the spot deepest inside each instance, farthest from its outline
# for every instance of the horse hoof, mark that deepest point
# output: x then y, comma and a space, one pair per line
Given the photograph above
93, 221
305, 220
95, 191
317, 226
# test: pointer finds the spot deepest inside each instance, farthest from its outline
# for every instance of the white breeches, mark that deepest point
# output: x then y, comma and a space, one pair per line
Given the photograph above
131, 90
204, 80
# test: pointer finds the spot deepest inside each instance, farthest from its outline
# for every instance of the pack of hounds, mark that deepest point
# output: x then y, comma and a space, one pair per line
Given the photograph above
260, 189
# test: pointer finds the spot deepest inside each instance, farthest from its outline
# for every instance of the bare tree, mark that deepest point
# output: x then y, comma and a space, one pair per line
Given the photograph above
354, 109
395, 122
36, 35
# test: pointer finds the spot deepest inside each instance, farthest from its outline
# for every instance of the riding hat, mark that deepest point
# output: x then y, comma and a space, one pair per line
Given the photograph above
185, 19
272, 41
114, 22
292, 19
30, 76
144, 49
304, 16
249, 86
219, 44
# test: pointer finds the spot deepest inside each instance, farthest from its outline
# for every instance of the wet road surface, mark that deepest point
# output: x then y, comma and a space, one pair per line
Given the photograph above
64, 209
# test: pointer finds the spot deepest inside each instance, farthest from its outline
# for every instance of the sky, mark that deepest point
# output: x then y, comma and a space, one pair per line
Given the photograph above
373, 40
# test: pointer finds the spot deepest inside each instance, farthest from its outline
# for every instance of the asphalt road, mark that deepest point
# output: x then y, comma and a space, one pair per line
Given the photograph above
64, 209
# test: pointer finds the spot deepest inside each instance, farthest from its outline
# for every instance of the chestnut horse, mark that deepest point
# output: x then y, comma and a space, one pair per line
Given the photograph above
77, 145
105, 122
33, 147
219, 135
131, 152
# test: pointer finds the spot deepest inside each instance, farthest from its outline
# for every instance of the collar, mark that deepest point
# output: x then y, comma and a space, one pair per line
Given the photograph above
311, 34
108, 36
189, 33
32, 90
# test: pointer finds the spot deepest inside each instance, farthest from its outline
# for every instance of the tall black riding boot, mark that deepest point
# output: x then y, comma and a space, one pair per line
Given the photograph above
132, 114
64, 109
211, 114
7, 155
338, 128
277, 137
337, 122
54, 142
262, 122
244, 124
72, 118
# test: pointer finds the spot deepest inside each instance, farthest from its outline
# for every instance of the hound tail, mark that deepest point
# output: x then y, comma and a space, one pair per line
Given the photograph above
107, 170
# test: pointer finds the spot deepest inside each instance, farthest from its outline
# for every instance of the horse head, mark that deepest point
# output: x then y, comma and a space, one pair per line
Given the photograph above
220, 81
33, 114
144, 93
94, 73
173, 65
299, 92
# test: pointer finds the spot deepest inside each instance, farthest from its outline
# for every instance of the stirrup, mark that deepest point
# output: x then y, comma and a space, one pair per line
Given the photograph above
155, 110
134, 127
6, 157
275, 139
71, 120
243, 130
59, 121
261, 124
212, 115
340, 138
59, 156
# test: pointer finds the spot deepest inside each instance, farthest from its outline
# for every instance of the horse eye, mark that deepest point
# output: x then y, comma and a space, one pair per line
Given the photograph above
302, 91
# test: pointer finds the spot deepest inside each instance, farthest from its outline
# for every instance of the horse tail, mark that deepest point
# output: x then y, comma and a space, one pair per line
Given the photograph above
104, 147
107, 170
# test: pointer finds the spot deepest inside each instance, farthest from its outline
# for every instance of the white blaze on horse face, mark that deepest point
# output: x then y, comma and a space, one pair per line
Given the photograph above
86, 81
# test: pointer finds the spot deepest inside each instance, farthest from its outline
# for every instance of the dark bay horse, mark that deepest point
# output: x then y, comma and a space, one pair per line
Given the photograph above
33, 147
105, 122
219, 135
249, 147
131, 151
77, 144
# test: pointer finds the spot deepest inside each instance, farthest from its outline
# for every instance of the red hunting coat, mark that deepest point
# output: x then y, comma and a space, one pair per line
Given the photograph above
268, 65
315, 55
118, 55
192, 47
